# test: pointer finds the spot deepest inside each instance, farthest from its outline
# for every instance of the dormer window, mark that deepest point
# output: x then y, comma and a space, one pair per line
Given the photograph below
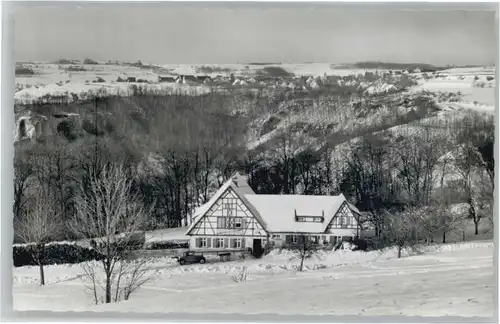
309, 218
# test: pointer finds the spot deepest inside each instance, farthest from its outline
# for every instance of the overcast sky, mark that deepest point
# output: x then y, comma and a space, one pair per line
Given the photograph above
167, 33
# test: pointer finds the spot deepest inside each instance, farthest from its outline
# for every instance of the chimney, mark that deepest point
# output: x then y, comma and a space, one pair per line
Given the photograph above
237, 179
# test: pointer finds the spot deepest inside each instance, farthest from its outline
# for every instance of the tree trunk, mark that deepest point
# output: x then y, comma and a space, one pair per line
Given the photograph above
42, 275
108, 288
476, 227
41, 255
463, 235
444, 237
399, 251
302, 262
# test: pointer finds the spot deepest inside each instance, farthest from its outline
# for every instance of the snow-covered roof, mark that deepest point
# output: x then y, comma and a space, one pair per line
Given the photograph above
204, 208
167, 234
240, 186
354, 208
278, 211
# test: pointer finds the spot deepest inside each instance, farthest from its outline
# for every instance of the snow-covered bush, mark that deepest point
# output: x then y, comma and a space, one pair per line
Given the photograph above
241, 276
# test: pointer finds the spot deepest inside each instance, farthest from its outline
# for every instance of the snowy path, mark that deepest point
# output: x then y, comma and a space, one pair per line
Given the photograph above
458, 283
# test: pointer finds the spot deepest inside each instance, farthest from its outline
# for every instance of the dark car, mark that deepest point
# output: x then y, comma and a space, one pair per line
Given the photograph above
191, 257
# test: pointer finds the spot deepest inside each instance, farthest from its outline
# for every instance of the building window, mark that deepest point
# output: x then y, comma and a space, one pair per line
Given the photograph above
294, 238
230, 222
219, 242
237, 243
203, 242
314, 219
343, 221
221, 222
229, 207
276, 236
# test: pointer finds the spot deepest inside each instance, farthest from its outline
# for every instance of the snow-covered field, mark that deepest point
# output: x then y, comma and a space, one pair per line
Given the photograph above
462, 80
298, 69
50, 79
452, 279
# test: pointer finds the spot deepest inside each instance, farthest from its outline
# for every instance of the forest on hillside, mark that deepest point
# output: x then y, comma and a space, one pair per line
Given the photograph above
177, 150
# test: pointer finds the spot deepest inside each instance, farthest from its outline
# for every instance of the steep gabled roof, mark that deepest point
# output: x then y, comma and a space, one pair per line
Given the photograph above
240, 186
354, 208
242, 189
278, 211
200, 212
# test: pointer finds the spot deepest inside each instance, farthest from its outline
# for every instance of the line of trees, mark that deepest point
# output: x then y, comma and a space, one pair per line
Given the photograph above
108, 214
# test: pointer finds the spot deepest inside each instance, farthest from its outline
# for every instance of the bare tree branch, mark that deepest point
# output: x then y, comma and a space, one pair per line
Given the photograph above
110, 216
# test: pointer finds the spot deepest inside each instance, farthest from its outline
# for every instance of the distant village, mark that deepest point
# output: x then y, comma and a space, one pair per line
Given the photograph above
93, 74
290, 82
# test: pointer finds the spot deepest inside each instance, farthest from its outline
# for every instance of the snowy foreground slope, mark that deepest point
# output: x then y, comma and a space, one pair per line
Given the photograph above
454, 280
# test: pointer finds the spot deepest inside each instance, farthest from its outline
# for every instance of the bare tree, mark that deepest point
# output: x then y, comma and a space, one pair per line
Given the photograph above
430, 222
469, 167
483, 197
37, 226
418, 159
449, 221
306, 247
399, 227
127, 277
23, 171
56, 172
110, 215
369, 179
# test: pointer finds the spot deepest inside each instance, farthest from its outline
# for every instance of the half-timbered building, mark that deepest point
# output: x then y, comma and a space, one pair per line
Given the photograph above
236, 218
